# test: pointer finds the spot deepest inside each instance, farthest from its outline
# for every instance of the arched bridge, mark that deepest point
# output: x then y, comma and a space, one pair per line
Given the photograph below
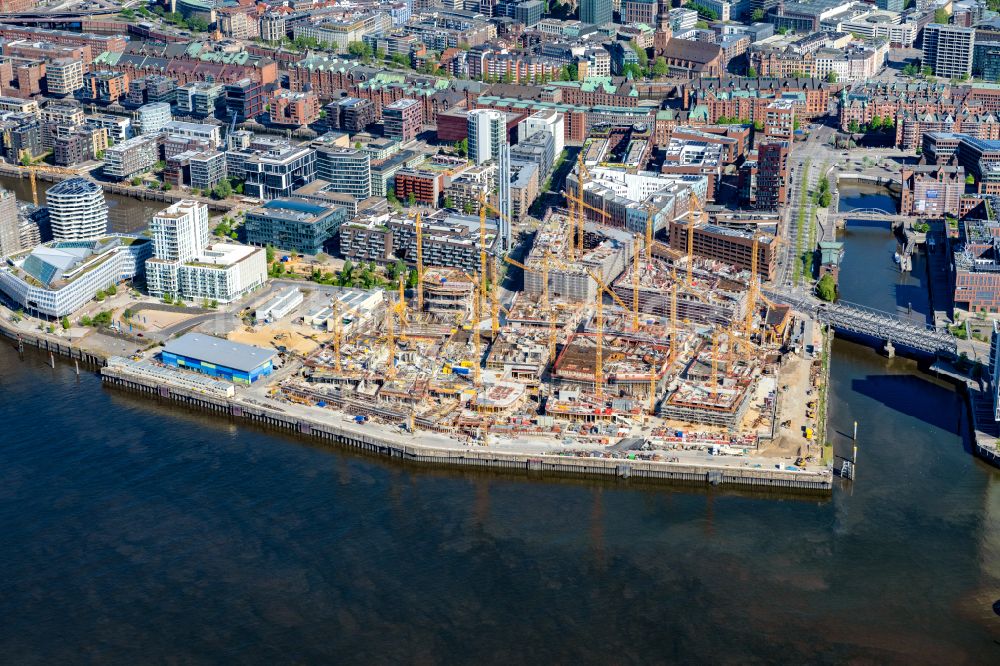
862, 320
869, 214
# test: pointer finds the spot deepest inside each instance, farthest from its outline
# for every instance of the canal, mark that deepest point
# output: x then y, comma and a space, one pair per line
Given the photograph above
140, 532
125, 215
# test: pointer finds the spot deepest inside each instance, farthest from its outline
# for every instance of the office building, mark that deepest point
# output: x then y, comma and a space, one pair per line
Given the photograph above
278, 171
212, 134
294, 108
293, 224
153, 117
948, 50
931, 190
132, 157
403, 119
77, 210
207, 168
198, 98
638, 11
977, 266
273, 27
763, 177
245, 99
487, 131
64, 76
56, 279
537, 149
350, 114
595, 12
347, 170
449, 240
186, 266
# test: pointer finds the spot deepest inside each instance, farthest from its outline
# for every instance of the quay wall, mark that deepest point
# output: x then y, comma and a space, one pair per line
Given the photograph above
142, 193
373, 442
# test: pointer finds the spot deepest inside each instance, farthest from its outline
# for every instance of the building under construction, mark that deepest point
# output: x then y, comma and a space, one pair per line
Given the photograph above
629, 367
732, 246
448, 294
715, 388
711, 298
556, 254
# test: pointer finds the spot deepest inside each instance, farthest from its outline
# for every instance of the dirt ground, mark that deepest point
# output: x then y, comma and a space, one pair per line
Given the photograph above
792, 441
155, 320
292, 339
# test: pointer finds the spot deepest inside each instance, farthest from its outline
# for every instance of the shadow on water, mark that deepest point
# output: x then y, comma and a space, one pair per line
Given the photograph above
906, 394
154, 406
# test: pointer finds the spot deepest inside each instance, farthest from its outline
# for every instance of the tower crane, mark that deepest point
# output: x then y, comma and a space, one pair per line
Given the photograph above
635, 283
695, 205
420, 265
476, 317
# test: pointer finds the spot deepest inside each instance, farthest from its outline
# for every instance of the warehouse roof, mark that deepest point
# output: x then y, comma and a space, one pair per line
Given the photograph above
219, 351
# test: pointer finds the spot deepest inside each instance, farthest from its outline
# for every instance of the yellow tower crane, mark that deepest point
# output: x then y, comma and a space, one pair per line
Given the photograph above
635, 284
420, 266
476, 317
494, 300
599, 352
390, 370
482, 243
751, 288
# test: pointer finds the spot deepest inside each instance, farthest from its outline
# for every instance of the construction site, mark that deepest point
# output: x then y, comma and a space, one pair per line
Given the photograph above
611, 336
599, 335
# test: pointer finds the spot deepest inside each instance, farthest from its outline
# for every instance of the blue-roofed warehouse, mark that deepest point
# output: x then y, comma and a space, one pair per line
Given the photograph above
239, 363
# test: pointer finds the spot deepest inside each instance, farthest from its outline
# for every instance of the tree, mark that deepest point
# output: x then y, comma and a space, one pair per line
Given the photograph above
825, 199
65, 323
411, 200
782, 30
970, 180
100, 295
926, 70
632, 71
757, 16
111, 290
167, 187
852, 127
910, 70
468, 208
641, 56
826, 289
449, 202
831, 77
269, 253
223, 189
941, 16
703, 12
752, 73
660, 66
875, 124
25, 159
462, 147
360, 50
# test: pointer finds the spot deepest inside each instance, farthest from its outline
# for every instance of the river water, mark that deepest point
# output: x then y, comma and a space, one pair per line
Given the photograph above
125, 215
140, 532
